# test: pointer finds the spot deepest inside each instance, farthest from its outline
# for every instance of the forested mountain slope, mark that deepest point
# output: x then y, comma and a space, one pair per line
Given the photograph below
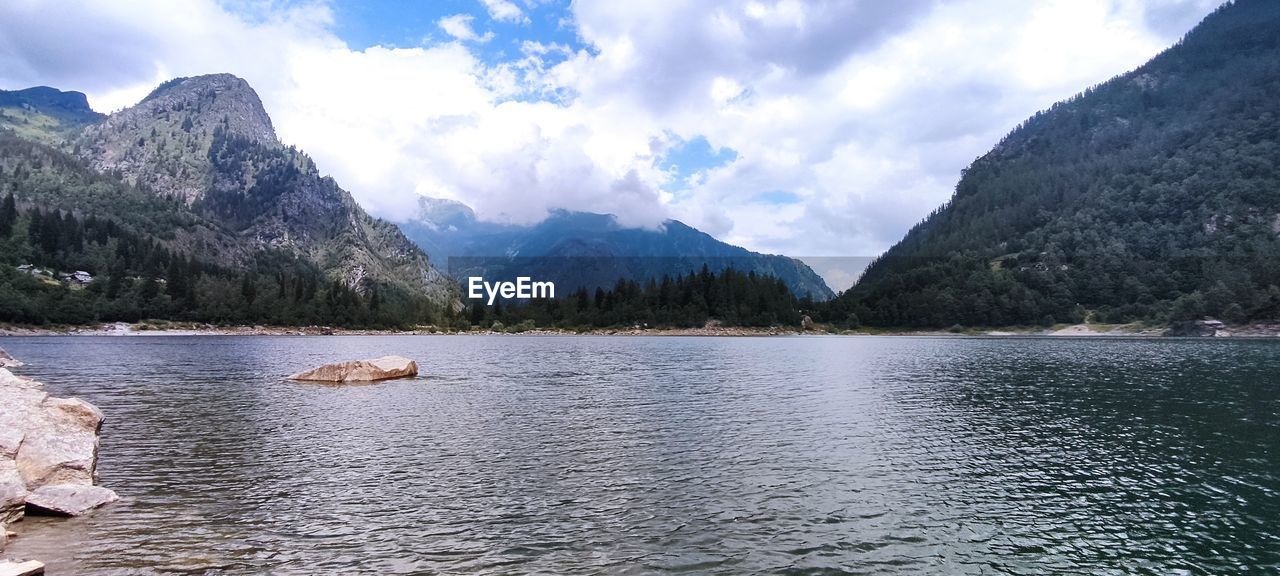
188, 207
1154, 196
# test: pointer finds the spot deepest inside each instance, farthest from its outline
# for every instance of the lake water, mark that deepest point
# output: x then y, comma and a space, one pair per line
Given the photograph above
589, 455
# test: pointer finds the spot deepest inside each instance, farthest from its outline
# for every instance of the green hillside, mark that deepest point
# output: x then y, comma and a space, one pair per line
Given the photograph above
1154, 196
45, 114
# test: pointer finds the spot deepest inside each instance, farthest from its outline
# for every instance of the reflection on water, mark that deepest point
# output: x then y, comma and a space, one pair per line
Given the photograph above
639, 455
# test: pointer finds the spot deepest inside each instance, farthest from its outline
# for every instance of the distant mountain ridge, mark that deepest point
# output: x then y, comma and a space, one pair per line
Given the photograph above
581, 249
46, 114
73, 106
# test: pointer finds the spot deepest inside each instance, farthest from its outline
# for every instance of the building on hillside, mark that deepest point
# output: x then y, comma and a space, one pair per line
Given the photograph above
78, 277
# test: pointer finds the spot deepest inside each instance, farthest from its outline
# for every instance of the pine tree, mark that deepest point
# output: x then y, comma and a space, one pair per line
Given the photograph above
176, 279
8, 215
248, 288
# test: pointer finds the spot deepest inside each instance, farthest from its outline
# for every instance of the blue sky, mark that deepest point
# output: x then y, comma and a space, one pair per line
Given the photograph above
685, 158
408, 24
395, 23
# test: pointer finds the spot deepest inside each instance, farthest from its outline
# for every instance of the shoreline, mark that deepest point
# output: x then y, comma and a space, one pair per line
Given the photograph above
1253, 331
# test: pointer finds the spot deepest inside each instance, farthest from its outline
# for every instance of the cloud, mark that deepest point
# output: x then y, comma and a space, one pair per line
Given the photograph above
504, 11
848, 121
459, 27
117, 51
870, 128
448, 130
1173, 18
665, 53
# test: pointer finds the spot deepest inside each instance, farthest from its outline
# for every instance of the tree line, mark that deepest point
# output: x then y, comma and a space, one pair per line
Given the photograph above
730, 297
135, 277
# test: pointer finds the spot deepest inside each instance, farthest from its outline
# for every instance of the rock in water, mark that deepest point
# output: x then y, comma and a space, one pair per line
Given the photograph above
47, 443
384, 368
28, 568
7, 361
68, 499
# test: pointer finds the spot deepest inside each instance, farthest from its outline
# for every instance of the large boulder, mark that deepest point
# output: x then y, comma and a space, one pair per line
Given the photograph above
68, 499
61, 443
384, 368
10, 380
16, 568
7, 361
19, 399
47, 442
13, 493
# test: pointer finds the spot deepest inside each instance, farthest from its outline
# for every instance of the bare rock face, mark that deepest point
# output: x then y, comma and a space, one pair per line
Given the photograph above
19, 397
384, 368
163, 141
61, 443
13, 493
7, 361
9, 379
48, 451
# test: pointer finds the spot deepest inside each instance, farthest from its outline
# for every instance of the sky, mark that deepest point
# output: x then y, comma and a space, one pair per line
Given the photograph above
821, 128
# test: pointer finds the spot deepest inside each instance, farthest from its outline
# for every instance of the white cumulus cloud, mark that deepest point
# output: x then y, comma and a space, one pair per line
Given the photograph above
504, 11
459, 27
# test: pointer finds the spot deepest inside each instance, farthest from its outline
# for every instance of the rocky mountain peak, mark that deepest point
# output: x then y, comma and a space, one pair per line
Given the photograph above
208, 100
163, 142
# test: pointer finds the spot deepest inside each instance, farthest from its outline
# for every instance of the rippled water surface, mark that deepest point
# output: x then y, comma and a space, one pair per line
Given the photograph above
581, 455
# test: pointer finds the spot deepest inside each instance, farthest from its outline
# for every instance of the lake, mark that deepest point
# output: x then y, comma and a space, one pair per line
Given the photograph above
635, 455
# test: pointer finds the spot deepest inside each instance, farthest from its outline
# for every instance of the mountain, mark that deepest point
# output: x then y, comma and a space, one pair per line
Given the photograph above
1154, 196
194, 175
586, 250
45, 114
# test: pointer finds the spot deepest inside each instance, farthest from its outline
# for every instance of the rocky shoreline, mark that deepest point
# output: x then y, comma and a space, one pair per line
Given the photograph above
48, 457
